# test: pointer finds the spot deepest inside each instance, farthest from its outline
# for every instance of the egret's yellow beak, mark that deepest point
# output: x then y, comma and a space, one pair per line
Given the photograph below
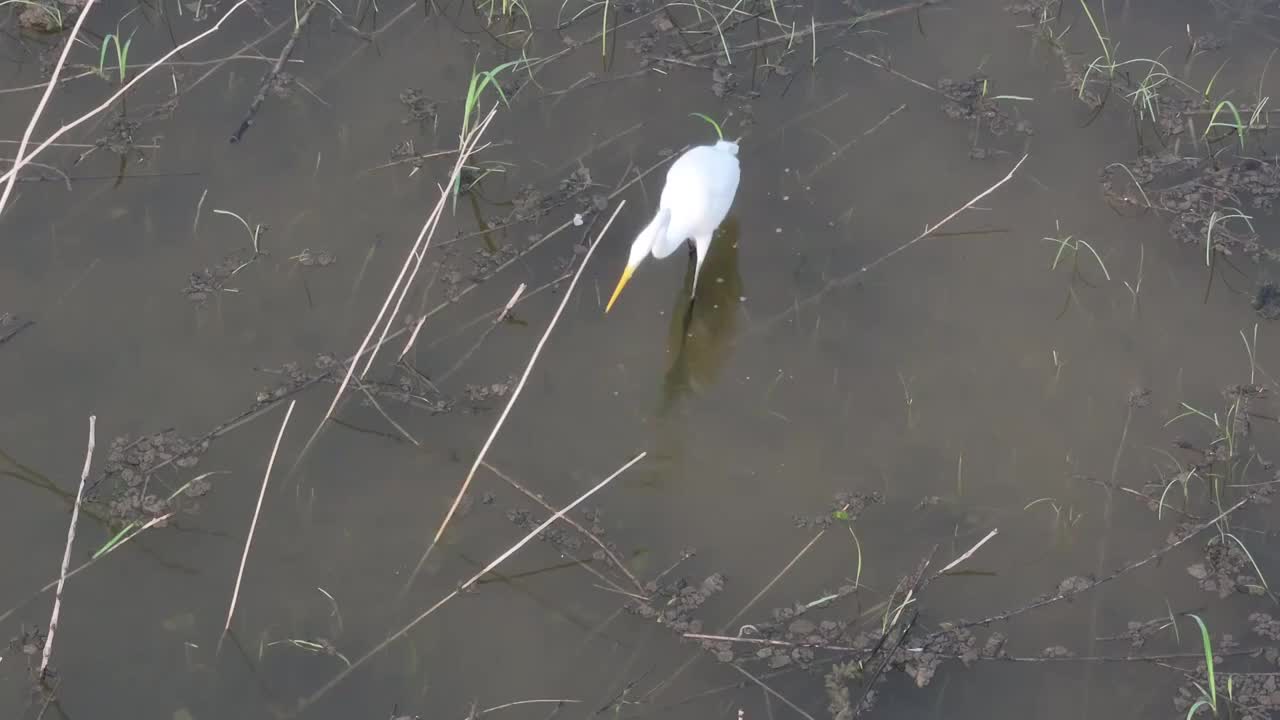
622, 282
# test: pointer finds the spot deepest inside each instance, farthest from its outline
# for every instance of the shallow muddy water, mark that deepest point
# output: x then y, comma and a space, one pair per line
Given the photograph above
842, 405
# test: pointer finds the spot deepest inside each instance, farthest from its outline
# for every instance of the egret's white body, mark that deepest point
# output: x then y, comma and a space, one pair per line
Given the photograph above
699, 191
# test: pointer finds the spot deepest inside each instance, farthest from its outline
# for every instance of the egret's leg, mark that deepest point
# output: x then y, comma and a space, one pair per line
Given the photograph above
698, 257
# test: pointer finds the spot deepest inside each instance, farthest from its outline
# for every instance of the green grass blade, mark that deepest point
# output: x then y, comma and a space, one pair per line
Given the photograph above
713, 123
1208, 661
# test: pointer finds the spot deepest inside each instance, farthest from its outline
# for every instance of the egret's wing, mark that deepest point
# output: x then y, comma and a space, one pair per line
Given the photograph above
699, 190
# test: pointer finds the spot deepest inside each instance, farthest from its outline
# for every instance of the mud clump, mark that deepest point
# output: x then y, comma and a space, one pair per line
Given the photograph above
1205, 199
135, 490
674, 605
48, 17
202, 284
419, 109
968, 100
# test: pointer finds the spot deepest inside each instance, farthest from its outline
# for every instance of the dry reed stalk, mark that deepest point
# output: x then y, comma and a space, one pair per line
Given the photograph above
515, 395
253, 525
19, 160
465, 148
66, 553
11, 176
306, 702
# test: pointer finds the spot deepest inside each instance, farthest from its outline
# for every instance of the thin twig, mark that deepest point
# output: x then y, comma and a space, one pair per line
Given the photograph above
308, 701
66, 553
586, 533
515, 395
502, 315
772, 692
270, 77
253, 525
800, 34
1063, 595
849, 278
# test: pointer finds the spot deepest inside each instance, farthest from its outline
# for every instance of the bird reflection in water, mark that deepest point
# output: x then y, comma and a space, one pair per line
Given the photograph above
698, 345
703, 326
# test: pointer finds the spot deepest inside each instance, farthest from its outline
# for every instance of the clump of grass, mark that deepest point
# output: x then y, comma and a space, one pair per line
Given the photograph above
480, 81
1239, 126
1074, 244
122, 55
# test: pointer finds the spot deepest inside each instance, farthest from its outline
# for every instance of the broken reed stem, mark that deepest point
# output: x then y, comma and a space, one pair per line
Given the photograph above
19, 160
11, 176
71, 536
418, 251
515, 395
271, 75
306, 702
253, 525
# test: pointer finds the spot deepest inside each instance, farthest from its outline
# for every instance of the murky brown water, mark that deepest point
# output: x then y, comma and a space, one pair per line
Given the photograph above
963, 379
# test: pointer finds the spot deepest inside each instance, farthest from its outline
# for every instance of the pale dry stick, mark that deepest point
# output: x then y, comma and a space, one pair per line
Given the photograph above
504, 706
586, 533
83, 566
253, 524
308, 701
19, 161
847, 279
71, 538
418, 250
413, 337
515, 395
968, 553
12, 174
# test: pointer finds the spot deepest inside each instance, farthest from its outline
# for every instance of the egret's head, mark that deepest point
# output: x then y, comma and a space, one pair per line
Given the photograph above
642, 246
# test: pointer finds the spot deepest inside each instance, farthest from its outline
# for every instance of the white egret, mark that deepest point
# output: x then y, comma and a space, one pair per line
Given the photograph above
699, 191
